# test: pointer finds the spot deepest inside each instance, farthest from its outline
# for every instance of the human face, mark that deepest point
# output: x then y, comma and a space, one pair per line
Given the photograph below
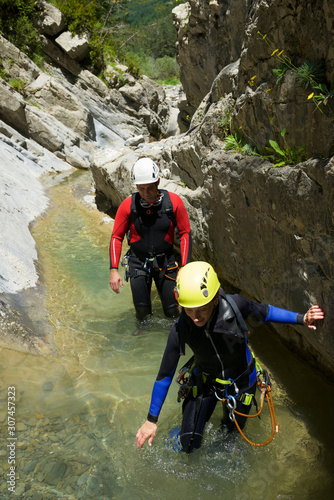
148, 192
201, 315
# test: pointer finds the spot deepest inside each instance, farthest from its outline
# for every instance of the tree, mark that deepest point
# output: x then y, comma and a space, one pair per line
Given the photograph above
17, 23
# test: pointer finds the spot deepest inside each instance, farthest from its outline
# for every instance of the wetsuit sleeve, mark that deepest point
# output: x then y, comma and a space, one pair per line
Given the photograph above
165, 375
183, 226
266, 313
120, 227
278, 315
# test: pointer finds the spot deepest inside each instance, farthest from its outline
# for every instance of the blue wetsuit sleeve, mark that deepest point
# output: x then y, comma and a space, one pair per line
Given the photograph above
165, 375
278, 315
159, 394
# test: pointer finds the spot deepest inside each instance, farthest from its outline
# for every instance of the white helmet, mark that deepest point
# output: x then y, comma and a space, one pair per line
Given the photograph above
145, 171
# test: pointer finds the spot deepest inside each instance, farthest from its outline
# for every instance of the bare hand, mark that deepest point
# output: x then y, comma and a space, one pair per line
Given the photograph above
147, 431
115, 280
313, 314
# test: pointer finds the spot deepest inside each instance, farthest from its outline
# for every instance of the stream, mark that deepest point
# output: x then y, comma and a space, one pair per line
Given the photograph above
79, 404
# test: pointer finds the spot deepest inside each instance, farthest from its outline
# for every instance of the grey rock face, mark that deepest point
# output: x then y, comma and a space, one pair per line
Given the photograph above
245, 37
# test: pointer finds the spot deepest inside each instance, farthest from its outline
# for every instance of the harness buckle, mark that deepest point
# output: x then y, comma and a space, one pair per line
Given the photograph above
148, 264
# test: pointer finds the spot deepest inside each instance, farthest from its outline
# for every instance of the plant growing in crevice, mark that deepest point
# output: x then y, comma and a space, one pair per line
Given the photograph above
311, 73
280, 72
286, 155
18, 85
277, 154
235, 142
308, 74
225, 122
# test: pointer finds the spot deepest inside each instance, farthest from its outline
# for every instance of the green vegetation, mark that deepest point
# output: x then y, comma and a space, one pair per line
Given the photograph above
17, 23
276, 154
310, 74
149, 37
18, 84
138, 33
237, 144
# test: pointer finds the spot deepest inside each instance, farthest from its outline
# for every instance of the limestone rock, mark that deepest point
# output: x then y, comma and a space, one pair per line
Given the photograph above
57, 56
77, 46
48, 93
228, 48
146, 100
12, 108
50, 21
16, 63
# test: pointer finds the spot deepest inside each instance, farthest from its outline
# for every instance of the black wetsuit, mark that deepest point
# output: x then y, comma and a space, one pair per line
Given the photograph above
221, 351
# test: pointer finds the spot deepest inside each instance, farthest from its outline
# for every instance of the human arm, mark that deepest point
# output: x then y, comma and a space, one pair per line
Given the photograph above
183, 226
268, 313
277, 315
160, 389
120, 227
149, 428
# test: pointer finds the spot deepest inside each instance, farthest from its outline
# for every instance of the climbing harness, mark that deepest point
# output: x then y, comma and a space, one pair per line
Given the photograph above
163, 199
156, 262
188, 380
151, 263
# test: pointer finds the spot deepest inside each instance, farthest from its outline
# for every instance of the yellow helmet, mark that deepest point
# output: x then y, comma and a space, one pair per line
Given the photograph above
196, 284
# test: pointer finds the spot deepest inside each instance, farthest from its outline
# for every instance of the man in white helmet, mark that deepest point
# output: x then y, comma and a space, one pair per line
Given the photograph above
150, 217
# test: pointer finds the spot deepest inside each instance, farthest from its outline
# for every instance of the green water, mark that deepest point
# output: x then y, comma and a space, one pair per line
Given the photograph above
79, 406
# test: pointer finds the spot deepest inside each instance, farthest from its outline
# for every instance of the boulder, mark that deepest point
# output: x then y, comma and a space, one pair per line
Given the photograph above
56, 55
12, 108
146, 100
50, 20
75, 46
16, 63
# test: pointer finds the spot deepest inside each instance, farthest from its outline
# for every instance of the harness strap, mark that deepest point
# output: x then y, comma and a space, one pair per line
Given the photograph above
248, 371
237, 312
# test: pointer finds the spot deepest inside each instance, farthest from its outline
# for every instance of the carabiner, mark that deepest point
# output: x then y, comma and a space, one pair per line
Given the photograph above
231, 405
220, 399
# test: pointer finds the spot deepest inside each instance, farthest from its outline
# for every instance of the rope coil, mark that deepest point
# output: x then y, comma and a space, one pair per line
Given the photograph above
265, 389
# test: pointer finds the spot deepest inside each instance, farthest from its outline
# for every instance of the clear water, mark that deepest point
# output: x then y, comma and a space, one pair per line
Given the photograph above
78, 406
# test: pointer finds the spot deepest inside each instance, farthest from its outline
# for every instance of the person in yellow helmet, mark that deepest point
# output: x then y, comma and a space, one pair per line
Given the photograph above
212, 324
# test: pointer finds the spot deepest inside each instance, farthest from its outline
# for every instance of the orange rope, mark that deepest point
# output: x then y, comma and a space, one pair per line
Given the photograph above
274, 425
169, 269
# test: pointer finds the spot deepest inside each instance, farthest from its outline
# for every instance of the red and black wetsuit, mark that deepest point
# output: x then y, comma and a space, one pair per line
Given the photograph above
151, 236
